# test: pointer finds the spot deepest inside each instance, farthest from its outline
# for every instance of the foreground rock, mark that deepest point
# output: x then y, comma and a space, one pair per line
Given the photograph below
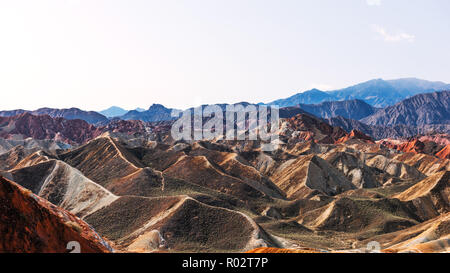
29, 223
430, 197
432, 236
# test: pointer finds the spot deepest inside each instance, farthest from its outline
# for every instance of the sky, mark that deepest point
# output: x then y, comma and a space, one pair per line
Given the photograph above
181, 53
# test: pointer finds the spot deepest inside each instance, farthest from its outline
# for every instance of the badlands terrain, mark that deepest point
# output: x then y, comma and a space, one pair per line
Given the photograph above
127, 186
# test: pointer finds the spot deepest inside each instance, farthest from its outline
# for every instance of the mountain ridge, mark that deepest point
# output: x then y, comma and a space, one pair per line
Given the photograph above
377, 92
419, 110
73, 113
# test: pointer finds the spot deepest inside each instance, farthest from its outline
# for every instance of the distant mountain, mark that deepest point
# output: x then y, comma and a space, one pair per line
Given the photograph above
71, 114
156, 112
378, 93
413, 86
113, 111
45, 127
354, 109
381, 132
375, 131
420, 110
313, 96
11, 113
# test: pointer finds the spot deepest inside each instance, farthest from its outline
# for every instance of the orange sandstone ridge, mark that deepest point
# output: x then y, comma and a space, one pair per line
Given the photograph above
355, 134
282, 250
30, 224
444, 153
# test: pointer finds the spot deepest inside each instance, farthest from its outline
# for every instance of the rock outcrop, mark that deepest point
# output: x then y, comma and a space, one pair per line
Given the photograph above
29, 223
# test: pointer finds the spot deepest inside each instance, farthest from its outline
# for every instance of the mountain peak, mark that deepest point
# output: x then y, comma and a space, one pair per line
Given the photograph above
113, 111
314, 90
157, 106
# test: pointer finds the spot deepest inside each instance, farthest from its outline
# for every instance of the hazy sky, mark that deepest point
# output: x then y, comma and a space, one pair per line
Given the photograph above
180, 53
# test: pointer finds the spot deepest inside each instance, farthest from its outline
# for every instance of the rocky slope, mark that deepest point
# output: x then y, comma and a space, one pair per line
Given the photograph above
59, 133
324, 189
31, 224
351, 109
399, 131
45, 127
420, 110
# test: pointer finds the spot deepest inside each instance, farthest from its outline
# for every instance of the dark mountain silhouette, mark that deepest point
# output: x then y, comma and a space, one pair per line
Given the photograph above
354, 109
420, 110
381, 132
156, 112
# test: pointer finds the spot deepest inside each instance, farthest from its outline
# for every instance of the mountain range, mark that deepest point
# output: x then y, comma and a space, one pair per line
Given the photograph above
346, 173
378, 93
419, 114
369, 101
354, 109
420, 110
324, 190
71, 114
156, 112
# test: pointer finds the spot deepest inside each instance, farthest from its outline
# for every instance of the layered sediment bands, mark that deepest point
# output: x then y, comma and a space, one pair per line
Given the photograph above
359, 215
430, 197
198, 170
394, 167
360, 175
444, 153
355, 134
46, 127
305, 127
63, 186
323, 189
182, 222
102, 160
428, 237
425, 164
12, 157
308, 176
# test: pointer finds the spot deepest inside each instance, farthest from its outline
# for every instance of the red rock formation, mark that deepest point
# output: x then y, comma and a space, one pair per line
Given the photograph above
444, 153
46, 127
414, 146
355, 134
75, 131
125, 126
31, 224
314, 128
283, 250
441, 139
